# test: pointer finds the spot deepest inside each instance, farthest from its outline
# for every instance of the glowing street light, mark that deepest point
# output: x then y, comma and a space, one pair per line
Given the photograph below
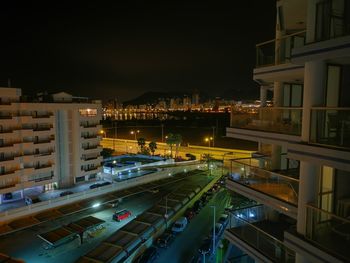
135, 133
103, 133
208, 140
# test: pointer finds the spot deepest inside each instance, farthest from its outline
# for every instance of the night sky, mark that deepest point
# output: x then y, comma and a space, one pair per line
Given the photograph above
123, 50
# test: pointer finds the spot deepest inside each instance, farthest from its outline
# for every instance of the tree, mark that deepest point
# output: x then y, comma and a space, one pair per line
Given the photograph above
208, 158
170, 140
152, 147
174, 139
146, 151
178, 141
141, 143
106, 152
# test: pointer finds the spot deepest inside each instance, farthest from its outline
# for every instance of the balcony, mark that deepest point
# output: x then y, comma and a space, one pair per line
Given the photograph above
275, 52
328, 231
327, 237
90, 125
90, 136
268, 125
277, 185
267, 187
330, 127
260, 239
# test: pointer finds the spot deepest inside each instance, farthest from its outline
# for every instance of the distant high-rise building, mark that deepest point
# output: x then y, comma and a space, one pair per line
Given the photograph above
186, 102
301, 176
46, 143
195, 98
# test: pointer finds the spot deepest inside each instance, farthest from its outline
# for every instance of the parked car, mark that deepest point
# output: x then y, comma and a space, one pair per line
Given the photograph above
93, 186
104, 183
205, 248
66, 193
165, 240
197, 206
180, 225
204, 198
189, 214
31, 199
154, 190
121, 215
113, 203
150, 255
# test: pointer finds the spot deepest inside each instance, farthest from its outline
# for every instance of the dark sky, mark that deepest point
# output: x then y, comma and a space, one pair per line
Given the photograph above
125, 49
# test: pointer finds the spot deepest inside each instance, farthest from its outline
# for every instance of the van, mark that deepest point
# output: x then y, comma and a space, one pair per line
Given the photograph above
180, 225
31, 199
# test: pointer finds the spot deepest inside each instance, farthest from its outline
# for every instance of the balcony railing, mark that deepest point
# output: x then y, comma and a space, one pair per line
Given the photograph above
328, 231
89, 125
270, 119
91, 147
262, 241
91, 136
331, 127
278, 51
90, 169
279, 186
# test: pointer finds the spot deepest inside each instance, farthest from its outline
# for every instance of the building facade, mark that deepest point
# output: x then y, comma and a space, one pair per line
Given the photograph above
46, 143
301, 175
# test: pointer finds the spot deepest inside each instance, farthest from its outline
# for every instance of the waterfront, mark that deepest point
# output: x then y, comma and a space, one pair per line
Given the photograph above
193, 127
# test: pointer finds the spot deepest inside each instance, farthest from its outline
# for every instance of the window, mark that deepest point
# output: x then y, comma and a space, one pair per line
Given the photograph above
88, 112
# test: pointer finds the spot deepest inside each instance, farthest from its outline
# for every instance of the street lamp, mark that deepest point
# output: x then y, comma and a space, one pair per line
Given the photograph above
135, 133
103, 133
214, 237
208, 139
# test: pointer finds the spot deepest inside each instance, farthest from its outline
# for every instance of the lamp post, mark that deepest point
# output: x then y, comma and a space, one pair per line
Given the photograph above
162, 126
208, 139
135, 133
103, 133
214, 237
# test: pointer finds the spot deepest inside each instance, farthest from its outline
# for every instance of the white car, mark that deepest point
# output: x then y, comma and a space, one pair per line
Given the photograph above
180, 225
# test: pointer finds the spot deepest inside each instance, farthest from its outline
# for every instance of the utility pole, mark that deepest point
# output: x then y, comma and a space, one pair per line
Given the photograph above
214, 237
162, 126
213, 127
113, 136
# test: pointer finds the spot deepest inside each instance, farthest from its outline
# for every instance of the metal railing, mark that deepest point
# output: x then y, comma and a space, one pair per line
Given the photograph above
262, 241
279, 186
328, 231
330, 126
270, 119
278, 51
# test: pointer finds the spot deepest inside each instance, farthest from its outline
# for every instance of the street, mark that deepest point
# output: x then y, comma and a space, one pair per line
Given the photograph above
187, 243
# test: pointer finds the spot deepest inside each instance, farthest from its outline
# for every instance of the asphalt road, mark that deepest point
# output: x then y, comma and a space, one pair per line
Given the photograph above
187, 243
27, 246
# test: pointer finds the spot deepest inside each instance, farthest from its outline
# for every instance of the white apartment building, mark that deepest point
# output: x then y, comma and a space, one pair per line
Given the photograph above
47, 142
301, 176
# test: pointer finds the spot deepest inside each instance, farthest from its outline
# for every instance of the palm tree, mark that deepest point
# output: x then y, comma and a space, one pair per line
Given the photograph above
170, 140
141, 143
178, 141
152, 147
